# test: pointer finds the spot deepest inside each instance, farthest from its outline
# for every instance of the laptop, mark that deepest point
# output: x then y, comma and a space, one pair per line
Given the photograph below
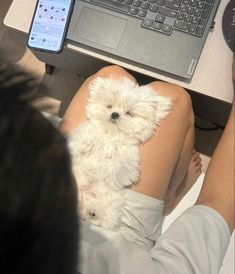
164, 36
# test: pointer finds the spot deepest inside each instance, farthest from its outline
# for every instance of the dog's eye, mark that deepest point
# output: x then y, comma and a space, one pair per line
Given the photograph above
109, 106
130, 114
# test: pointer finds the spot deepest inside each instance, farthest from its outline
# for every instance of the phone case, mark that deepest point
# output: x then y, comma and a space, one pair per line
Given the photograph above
64, 32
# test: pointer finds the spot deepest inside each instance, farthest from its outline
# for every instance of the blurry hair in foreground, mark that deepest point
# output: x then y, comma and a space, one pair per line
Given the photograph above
38, 218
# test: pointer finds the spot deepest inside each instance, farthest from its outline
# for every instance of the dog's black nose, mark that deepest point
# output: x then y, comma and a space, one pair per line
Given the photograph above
115, 115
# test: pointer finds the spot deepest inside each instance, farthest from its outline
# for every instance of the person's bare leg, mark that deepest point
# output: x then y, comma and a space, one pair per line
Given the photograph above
166, 156
194, 170
218, 187
167, 152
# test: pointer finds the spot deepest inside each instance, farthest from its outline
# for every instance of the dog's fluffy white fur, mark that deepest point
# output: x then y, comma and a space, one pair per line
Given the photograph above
105, 148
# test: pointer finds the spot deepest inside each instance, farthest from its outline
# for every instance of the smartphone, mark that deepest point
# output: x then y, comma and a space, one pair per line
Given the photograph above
49, 25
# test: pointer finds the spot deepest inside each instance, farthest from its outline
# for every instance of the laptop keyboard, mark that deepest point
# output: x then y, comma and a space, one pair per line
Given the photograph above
189, 16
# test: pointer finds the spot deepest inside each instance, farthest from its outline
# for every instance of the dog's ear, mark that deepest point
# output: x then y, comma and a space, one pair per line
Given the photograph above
98, 85
161, 104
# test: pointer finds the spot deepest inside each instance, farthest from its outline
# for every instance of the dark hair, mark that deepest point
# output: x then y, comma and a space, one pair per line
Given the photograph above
38, 219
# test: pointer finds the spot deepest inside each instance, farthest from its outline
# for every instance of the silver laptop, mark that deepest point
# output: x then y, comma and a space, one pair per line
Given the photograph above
165, 36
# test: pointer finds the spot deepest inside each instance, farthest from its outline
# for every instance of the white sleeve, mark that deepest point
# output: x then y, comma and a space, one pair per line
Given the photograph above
195, 243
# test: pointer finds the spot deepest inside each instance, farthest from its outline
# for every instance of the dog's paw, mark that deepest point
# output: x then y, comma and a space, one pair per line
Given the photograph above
104, 210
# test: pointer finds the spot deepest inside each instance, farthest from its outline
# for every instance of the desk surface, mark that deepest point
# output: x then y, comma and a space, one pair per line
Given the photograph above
213, 75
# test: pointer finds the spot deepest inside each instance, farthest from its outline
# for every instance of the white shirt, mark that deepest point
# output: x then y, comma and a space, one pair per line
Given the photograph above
194, 244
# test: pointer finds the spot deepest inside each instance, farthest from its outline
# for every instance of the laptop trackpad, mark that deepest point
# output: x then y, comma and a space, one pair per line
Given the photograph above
100, 28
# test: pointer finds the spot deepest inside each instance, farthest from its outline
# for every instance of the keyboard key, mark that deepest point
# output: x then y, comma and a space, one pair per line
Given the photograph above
166, 28
148, 22
134, 10
136, 3
152, 1
142, 13
153, 8
180, 25
177, 2
129, 2
157, 25
160, 2
206, 11
195, 20
160, 18
116, 5
190, 10
180, 16
187, 18
192, 3
199, 30
197, 12
171, 5
167, 12
191, 28
202, 22
145, 5
200, 5
183, 8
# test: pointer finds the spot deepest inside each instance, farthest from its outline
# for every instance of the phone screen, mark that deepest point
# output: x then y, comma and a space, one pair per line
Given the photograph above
49, 24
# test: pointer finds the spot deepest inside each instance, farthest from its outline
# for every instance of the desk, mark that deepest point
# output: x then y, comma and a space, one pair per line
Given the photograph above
211, 87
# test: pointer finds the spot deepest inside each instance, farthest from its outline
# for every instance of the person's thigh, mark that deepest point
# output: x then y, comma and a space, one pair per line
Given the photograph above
160, 155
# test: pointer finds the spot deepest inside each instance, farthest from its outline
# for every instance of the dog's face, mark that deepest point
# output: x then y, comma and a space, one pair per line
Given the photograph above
123, 105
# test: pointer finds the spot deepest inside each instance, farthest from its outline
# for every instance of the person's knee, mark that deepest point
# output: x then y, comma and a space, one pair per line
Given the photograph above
110, 70
179, 96
115, 72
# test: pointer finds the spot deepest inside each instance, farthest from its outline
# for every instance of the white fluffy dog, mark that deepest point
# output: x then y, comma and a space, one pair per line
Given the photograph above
105, 148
